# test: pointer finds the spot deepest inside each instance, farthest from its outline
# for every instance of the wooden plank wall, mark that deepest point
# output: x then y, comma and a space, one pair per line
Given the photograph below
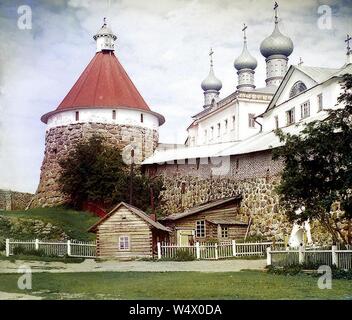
229, 212
124, 222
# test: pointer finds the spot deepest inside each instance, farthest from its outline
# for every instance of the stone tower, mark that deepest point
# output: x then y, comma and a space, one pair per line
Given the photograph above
103, 101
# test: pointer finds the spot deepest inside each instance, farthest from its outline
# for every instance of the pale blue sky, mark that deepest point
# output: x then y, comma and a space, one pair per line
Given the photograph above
164, 47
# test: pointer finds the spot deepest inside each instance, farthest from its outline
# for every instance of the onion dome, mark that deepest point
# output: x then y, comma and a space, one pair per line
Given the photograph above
211, 82
276, 44
245, 60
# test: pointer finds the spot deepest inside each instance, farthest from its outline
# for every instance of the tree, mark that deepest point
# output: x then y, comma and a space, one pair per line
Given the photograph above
318, 168
95, 172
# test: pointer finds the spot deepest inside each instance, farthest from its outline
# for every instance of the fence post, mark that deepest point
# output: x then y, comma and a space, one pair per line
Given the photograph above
268, 256
216, 251
7, 247
36, 244
68, 247
234, 252
334, 256
197, 250
159, 250
301, 254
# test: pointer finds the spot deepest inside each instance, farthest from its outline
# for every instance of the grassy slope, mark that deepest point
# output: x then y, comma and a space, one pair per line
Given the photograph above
177, 285
74, 223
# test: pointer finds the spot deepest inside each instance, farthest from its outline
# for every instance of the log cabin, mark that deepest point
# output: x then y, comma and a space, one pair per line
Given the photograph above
215, 221
128, 233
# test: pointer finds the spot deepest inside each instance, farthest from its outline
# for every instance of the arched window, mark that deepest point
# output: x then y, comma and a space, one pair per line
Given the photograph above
297, 88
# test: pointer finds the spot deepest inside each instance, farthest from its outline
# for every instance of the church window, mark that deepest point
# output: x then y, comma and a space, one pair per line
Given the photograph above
142, 117
114, 114
233, 122
77, 115
290, 116
226, 125
219, 129
276, 122
124, 242
305, 110
251, 121
205, 136
211, 132
224, 231
200, 228
320, 102
297, 88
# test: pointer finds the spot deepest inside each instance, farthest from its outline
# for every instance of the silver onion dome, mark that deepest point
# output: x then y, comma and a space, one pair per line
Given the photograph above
211, 82
245, 60
276, 44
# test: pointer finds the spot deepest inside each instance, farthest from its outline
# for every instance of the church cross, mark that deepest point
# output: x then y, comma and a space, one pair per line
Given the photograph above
300, 61
348, 43
275, 8
244, 31
211, 56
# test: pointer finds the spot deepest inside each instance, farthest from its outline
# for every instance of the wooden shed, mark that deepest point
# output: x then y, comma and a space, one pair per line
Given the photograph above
128, 233
218, 220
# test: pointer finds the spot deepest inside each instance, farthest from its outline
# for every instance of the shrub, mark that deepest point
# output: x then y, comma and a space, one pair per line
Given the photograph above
20, 250
183, 255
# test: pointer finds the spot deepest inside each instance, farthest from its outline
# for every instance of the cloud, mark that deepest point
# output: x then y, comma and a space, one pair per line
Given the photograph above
163, 46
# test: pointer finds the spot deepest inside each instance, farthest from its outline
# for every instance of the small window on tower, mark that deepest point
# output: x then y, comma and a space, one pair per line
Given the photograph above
77, 115
114, 114
142, 117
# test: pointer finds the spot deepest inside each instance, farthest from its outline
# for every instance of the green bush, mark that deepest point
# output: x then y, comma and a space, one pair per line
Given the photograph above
183, 255
20, 250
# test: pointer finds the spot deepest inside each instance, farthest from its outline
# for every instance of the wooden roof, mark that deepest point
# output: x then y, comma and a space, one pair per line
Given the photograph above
203, 207
135, 210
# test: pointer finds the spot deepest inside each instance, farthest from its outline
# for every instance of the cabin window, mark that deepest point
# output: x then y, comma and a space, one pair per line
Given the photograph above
320, 102
114, 114
142, 117
305, 110
77, 115
224, 232
251, 121
200, 229
276, 122
290, 116
124, 242
297, 88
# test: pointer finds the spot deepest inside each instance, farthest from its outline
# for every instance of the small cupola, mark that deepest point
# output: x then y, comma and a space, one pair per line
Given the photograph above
105, 38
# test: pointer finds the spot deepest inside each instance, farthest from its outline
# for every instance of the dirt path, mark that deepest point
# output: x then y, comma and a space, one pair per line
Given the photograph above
146, 266
17, 296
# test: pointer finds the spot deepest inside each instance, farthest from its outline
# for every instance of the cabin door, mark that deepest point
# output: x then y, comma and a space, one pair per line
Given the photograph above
184, 237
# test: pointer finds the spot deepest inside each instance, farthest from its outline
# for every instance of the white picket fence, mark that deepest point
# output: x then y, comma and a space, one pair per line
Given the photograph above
334, 256
71, 248
215, 251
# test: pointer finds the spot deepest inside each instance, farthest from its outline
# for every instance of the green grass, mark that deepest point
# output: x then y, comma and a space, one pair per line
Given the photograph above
176, 285
74, 223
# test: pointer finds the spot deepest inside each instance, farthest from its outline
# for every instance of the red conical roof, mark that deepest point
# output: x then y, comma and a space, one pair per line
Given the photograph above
103, 84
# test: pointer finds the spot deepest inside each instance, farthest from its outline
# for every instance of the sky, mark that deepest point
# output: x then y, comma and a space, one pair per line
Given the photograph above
163, 46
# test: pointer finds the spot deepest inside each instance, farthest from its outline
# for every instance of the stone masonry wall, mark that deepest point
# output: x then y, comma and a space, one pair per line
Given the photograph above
254, 176
12, 200
60, 140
